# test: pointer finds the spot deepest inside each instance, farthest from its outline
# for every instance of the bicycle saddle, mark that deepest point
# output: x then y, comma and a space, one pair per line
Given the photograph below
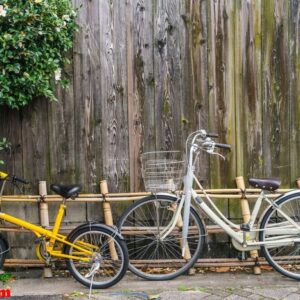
268, 184
66, 191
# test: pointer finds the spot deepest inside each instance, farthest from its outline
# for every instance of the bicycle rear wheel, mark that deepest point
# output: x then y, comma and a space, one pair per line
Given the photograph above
105, 267
150, 257
3, 250
284, 257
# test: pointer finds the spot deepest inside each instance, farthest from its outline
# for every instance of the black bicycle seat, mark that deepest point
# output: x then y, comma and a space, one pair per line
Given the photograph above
66, 191
268, 184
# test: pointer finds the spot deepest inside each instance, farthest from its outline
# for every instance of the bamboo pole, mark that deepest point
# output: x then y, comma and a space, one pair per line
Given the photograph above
246, 217
108, 219
44, 219
203, 262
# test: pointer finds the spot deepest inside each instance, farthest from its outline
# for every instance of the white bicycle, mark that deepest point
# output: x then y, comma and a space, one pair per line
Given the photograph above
165, 235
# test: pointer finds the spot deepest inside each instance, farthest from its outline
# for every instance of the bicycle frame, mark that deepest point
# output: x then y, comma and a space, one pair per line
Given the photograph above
53, 235
242, 240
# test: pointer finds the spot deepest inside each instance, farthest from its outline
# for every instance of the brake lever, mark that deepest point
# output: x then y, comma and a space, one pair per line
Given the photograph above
218, 154
209, 145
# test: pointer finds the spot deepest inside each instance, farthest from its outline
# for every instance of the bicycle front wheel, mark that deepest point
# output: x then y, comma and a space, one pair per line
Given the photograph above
284, 254
105, 265
151, 257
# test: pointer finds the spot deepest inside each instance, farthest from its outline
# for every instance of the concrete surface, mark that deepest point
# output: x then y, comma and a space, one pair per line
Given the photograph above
229, 286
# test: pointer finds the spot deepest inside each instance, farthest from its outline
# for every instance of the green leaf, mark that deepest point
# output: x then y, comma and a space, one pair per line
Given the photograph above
33, 45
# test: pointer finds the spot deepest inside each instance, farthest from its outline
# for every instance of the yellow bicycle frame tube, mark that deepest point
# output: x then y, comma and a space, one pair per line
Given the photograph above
53, 235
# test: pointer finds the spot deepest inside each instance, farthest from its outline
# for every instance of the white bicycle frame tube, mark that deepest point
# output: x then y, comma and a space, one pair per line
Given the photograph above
287, 229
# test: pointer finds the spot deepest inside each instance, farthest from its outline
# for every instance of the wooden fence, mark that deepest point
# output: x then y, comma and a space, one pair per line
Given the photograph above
147, 73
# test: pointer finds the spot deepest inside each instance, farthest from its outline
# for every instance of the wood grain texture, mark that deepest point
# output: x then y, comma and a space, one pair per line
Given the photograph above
248, 89
221, 87
275, 98
147, 73
294, 88
195, 104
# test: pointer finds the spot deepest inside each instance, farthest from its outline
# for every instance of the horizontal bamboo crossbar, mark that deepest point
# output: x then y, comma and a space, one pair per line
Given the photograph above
211, 229
207, 262
214, 193
201, 263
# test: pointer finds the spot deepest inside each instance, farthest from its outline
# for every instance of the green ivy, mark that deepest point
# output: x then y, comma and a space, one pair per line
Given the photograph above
35, 36
4, 145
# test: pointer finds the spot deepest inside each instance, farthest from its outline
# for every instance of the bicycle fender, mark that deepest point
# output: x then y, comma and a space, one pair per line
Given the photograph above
278, 201
112, 230
4, 240
284, 196
78, 228
166, 194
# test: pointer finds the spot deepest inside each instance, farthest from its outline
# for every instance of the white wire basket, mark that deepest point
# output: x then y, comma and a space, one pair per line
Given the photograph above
162, 170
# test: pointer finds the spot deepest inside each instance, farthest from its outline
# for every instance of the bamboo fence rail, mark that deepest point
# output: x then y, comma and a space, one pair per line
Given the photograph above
106, 198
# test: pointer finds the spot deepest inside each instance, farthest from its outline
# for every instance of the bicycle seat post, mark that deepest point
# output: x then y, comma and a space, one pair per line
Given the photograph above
59, 217
44, 217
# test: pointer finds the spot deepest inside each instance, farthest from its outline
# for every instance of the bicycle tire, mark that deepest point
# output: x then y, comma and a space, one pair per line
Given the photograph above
285, 259
3, 251
111, 271
163, 267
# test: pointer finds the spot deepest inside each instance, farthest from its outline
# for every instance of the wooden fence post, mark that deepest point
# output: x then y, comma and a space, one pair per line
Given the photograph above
108, 219
240, 183
44, 218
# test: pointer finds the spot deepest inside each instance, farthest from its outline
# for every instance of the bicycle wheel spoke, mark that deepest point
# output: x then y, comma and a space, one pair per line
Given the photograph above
284, 257
107, 264
141, 226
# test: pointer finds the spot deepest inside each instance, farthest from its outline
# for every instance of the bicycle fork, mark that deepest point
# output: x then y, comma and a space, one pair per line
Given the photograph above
186, 201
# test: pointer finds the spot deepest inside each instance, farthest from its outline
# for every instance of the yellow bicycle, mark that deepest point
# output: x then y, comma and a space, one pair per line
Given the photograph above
95, 254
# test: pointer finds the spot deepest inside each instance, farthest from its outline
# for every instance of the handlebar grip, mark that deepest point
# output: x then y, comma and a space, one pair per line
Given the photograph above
23, 181
223, 146
212, 135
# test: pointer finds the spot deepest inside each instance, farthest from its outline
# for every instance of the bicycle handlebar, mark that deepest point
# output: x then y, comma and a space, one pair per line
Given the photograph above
223, 146
17, 179
212, 135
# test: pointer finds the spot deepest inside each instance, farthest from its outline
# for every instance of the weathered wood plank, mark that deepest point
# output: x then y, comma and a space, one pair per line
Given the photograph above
62, 135
248, 89
134, 115
144, 70
111, 94
165, 136
83, 107
120, 86
275, 90
294, 88
222, 91
93, 111
195, 100
221, 86
12, 130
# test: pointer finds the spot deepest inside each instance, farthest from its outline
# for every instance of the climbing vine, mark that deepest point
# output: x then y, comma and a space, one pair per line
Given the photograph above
35, 36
